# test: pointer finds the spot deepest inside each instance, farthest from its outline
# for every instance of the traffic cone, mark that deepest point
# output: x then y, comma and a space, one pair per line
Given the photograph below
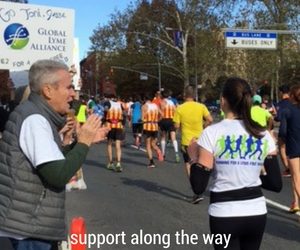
79, 229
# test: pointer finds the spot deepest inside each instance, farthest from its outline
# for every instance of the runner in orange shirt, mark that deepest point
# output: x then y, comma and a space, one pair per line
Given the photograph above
166, 124
114, 120
150, 117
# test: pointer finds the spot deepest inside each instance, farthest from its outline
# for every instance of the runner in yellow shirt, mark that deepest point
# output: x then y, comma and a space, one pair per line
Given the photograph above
191, 117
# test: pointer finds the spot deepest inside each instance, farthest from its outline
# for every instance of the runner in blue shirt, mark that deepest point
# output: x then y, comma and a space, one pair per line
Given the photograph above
136, 121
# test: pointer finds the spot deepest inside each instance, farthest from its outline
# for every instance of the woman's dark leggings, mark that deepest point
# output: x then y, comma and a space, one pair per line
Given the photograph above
246, 232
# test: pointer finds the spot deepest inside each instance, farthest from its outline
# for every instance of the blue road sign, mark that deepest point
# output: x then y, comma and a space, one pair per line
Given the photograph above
251, 40
251, 35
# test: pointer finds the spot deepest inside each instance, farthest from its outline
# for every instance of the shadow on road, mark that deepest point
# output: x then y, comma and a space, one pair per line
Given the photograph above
92, 163
137, 154
125, 161
154, 187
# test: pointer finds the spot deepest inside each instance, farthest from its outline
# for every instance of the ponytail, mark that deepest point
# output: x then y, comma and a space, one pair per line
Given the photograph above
252, 127
237, 92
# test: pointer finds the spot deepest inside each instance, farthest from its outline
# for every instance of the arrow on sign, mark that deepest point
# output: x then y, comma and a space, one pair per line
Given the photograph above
234, 42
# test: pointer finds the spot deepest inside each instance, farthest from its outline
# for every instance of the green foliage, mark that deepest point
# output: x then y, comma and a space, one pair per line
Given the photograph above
142, 37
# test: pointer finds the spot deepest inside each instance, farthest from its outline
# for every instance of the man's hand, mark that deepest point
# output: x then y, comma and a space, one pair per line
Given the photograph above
101, 134
91, 131
68, 130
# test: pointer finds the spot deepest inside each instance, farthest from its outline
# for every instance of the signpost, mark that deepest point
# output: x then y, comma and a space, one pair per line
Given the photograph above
143, 76
251, 40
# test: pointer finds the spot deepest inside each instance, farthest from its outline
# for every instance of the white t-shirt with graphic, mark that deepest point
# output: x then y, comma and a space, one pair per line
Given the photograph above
239, 158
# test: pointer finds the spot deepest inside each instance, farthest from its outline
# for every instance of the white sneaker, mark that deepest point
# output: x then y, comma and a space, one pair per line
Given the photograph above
81, 184
68, 187
72, 186
151, 165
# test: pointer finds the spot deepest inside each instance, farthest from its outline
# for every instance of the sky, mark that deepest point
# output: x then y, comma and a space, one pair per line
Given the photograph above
88, 14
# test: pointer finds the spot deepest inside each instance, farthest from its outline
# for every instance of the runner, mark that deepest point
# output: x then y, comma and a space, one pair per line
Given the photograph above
280, 107
283, 104
261, 115
191, 117
157, 99
136, 121
150, 117
289, 132
237, 205
114, 120
128, 109
166, 124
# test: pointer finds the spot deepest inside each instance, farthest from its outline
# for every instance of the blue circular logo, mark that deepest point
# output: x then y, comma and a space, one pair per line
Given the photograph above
16, 36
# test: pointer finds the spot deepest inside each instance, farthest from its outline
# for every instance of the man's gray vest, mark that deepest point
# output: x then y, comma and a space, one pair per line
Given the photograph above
28, 206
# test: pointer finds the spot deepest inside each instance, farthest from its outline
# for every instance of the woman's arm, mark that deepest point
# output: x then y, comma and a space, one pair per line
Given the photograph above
201, 170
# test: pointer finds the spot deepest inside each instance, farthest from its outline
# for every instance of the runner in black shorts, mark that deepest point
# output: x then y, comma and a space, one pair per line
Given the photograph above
166, 124
115, 134
150, 134
136, 121
114, 120
150, 116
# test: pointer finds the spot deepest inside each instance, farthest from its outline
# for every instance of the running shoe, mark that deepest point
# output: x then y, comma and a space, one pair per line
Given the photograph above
81, 184
110, 166
72, 185
294, 208
196, 199
151, 165
177, 158
118, 167
286, 173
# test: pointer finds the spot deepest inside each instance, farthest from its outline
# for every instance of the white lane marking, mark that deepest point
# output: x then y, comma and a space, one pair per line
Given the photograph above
142, 149
278, 205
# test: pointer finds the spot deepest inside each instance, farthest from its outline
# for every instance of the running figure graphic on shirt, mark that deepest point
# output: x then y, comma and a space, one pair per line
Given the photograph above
258, 143
242, 146
238, 147
221, 144
228, 147
249, 147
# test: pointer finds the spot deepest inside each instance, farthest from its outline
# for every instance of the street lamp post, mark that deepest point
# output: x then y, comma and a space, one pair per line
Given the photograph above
158, 67
159, 74
196, 71
195, 60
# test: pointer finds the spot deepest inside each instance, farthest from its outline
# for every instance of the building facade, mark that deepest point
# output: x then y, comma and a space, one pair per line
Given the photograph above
95, 77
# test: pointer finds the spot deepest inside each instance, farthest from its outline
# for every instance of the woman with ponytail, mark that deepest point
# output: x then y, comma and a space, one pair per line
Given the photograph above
233, 152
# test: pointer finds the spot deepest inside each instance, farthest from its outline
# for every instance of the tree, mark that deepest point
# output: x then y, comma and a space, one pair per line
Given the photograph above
144, 35
276, 15
153, 35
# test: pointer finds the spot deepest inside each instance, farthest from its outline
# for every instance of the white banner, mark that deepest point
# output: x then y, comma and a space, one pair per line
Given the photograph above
33, 32
75, 68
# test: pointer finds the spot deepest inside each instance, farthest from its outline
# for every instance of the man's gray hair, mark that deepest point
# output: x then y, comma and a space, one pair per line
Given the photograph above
44, 71
189, 92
